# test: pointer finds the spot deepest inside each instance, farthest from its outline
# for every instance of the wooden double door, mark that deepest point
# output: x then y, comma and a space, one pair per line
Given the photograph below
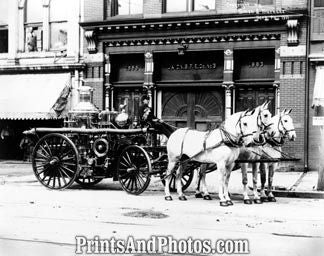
250, 97
201, 109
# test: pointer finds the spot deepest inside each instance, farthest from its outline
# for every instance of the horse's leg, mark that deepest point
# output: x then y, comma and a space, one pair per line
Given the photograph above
263, 178
203, 182
272, 168
222, 174
228, 171
255, 168
246, 197
171, 166
199, 172
178, 182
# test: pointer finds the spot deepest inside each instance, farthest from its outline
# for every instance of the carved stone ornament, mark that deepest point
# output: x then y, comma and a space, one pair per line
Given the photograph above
91, 40
228, 52
293, 29
148, 55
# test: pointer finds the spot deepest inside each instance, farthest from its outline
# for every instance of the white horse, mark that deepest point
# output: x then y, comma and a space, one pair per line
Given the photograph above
209, 147
281, 127
263, 120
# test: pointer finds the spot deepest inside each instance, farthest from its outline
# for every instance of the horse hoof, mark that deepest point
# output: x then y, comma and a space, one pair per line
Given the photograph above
257, 201
247, 201
229, 203
264, 199
168, 198
182, 198
199, 195
207, 197
272, 199
223, 204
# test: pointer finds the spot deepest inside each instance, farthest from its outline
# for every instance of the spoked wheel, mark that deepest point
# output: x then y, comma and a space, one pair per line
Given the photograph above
87, 181
133, 169
55, 161
186, 180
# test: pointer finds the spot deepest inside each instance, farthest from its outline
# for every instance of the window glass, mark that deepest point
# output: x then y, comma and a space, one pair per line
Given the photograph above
58, 31
318, 3
3, 40
34, 11
126, 7
33, 38
204, 5
59, 9
266, 2
176, 6
4, 12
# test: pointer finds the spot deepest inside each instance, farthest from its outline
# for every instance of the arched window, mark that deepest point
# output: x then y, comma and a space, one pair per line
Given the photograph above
4, 26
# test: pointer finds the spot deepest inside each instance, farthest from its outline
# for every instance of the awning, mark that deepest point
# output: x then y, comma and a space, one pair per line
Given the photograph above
318, 96
30, 96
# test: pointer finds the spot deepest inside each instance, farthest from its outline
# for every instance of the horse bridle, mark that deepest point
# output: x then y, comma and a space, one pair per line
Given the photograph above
285, 131
272, 140
239, 122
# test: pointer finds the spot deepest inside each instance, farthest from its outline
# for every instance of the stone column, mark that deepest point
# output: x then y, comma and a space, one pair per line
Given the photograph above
148, 75
276, 83
21, 26
13, 32
107, 81
46, 26
228, 80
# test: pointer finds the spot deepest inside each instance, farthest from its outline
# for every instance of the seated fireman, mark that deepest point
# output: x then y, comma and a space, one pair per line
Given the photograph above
146, 118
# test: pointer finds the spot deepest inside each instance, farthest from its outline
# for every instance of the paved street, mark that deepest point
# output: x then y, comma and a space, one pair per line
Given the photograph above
38, 221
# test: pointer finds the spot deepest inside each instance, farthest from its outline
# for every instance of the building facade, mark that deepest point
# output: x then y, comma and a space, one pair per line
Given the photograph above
199, 60
315, 102
39, 57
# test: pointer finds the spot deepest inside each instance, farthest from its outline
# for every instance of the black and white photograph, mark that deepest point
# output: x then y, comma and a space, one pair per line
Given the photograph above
161, 127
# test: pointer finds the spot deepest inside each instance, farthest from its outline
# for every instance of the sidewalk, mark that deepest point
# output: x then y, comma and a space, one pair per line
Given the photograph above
286, 184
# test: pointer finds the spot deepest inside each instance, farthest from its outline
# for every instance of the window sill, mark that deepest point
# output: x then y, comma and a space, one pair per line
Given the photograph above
42, 54
4, 55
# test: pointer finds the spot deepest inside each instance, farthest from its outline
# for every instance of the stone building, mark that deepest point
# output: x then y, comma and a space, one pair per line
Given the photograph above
199, 60
39, 57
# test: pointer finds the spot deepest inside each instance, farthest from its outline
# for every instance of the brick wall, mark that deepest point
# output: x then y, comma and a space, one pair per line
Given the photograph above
94, 10
152, 8
94, 77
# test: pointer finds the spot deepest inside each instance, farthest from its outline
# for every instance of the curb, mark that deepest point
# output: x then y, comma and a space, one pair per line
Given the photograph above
299, 194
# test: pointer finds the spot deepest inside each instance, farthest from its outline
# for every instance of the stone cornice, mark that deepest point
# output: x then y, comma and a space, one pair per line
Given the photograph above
192, 40
45, 67
116, 24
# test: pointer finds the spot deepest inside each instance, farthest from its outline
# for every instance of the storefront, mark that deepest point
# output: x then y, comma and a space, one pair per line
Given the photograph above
29, 100
198, 70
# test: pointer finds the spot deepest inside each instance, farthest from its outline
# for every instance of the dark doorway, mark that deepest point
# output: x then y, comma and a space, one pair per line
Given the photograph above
250, 97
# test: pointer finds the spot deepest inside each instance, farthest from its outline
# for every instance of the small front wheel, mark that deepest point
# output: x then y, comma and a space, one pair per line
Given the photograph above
133, 169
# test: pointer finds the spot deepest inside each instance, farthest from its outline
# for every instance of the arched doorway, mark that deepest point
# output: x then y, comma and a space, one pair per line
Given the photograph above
199, 109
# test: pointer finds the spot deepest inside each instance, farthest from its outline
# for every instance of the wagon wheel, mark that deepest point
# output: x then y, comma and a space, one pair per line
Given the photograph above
186, 180
55, 161
133, 169
87, 181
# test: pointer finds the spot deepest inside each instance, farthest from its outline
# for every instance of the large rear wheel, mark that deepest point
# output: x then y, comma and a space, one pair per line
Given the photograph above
55, 161
133, 169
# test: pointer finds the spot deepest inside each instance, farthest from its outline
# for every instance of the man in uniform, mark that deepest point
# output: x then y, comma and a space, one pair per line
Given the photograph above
145, 111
